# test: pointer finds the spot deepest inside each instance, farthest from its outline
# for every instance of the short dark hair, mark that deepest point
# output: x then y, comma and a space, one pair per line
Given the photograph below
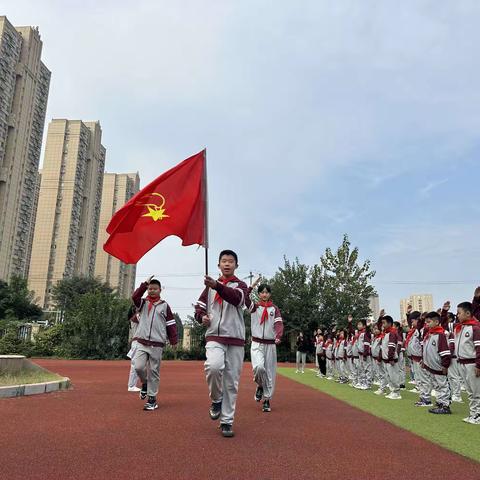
467, 306
388, 319
363, 322
264, 286
228, 252
433, 316
155, 282
415, 315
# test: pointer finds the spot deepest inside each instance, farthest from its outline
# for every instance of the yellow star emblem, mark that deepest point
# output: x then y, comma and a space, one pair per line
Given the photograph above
157, 212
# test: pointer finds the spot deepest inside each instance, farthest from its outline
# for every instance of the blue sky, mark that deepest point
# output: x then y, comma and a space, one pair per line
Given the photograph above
319, 117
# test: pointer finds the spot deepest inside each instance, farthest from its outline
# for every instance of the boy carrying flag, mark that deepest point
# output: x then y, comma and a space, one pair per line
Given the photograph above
225, 337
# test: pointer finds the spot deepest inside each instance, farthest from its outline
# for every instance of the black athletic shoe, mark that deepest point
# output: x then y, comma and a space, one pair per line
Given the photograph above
143, 392
151, 404
258, 394
441, 410
402, 386
215, 410
266, 406
227, 430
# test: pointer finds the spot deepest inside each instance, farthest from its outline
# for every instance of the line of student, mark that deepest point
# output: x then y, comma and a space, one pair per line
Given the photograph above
220, 309
443, 352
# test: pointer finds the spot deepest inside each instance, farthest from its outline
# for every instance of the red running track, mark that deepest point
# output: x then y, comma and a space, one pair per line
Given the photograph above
98, 430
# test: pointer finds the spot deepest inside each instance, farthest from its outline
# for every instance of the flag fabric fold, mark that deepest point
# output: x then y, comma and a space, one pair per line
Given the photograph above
173, 204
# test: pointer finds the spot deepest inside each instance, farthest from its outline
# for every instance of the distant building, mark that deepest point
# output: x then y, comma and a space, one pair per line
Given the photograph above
66, 225
420, 302
374, 307
118, 188
24, 86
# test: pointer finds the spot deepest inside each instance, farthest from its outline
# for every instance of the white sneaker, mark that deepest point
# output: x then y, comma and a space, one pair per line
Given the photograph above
457, 399
394, 396
412, 382
297, 371
302, 371
413, 390
467, 419
379, 392
134, 389
434, 393
376, 383
474, 420
364, 387
329, 378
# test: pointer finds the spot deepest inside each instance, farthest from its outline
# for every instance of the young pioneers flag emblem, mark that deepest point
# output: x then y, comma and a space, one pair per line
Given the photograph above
173, 204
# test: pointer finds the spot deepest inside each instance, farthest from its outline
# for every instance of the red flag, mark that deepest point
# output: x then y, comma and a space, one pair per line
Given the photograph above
173, 204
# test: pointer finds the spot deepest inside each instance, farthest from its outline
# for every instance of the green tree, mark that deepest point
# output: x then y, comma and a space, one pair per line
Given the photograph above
97, 327
296, 295
179, 324
69, 291
17, 301
344, 285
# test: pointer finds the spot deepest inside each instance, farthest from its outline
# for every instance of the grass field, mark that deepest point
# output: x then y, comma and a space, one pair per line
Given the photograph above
27, 377
446, 430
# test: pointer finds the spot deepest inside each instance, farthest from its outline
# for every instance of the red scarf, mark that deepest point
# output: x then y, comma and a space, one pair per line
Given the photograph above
434, 330
459, 326
265, 306
390, 330
380, 335
151, 301
224, 281
409, 336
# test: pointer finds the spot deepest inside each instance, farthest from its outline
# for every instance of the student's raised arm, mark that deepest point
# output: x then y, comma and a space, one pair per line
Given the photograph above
236, 296
476, 304
138, 294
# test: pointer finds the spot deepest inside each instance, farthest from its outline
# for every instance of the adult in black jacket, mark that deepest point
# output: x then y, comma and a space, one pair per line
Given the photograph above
302, 348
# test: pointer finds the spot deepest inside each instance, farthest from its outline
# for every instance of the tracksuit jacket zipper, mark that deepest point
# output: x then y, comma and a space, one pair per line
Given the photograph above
220, 321
151, 323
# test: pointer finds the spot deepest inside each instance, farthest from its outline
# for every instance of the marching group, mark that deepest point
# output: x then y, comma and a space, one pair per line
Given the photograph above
220, 309
440, 349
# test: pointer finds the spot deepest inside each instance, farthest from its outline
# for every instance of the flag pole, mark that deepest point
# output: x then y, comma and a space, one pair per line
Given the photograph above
205, 193
206, 209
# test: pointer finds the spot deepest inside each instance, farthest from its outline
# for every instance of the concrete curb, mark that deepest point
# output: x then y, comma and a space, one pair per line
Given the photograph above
34, 388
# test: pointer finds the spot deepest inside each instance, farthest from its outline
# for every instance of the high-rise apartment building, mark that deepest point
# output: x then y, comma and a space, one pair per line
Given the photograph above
66, 226
374, 304
422, 302
24, 86
118, 188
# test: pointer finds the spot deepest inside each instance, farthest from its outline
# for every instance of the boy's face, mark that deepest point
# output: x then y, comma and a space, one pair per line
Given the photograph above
154, 290
414, 323
265, 295
360, 326
227, 265
463, 314
432, 322
385, 324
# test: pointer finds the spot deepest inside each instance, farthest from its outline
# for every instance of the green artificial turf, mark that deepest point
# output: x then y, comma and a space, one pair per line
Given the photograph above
449, 431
